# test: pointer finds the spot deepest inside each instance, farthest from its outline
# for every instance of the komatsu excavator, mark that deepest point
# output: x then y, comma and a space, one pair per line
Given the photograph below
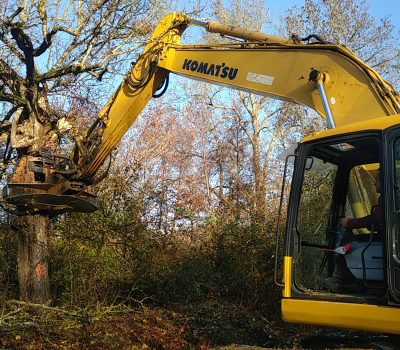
332, 172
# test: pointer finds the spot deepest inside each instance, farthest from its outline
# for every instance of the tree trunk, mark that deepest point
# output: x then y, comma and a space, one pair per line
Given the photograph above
33, 247
260, 185
33, 254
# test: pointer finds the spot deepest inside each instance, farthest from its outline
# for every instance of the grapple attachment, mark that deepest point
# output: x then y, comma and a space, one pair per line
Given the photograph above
45, 184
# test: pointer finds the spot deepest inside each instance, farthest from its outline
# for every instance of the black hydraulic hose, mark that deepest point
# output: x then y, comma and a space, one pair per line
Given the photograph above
317, 38
96, 122
163, 88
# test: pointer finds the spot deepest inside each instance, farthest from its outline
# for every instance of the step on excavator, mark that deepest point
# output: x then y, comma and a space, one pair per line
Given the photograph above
331, 173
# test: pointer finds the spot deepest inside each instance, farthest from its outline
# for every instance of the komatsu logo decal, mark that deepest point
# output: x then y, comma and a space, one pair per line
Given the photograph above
217, 70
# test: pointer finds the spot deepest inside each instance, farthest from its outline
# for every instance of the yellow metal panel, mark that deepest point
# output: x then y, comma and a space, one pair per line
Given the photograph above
287, 276
347, 315
375, 124
284, 74
120, 115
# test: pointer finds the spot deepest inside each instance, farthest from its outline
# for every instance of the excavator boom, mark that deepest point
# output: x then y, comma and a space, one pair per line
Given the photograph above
286, 69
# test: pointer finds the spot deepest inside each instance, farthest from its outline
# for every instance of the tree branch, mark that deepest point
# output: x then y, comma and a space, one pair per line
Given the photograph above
11, 98
12, 47
43, 15
9, 76
47, 41
72, 69
9, 19
23, 41
25, 44
10, 113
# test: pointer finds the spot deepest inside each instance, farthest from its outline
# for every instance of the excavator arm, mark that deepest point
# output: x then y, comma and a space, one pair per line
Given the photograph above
328, 78
286, 69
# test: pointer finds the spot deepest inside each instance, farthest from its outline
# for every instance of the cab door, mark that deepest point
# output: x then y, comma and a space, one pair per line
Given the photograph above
391, 174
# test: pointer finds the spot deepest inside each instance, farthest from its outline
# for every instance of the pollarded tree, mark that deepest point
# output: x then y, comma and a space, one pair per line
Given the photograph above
51, 54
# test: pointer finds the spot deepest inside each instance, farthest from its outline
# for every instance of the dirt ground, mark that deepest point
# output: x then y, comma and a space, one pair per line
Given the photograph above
205, 326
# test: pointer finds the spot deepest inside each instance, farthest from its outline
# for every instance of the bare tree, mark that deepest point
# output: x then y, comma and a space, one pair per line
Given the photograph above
349, 22
269, 126
256, 122
53, 54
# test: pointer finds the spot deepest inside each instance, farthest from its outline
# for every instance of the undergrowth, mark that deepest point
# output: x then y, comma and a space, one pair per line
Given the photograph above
202, 326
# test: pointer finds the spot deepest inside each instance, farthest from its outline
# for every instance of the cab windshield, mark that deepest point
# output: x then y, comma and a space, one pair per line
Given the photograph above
338, 181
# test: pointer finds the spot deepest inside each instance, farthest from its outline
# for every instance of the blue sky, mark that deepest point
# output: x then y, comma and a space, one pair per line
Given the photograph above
378, 8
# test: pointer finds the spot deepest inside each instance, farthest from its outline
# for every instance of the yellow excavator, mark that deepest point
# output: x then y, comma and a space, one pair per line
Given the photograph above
331, 173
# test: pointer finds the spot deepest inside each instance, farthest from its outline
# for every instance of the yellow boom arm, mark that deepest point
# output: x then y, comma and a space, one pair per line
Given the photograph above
328, 78
287, 69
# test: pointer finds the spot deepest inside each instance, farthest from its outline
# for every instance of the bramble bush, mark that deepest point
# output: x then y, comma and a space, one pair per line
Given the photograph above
97, 262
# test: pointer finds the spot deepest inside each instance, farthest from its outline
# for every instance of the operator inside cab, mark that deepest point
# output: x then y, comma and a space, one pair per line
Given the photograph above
342, 279
340, 219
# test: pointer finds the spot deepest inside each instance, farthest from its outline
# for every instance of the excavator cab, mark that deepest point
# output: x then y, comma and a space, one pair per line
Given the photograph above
334, 176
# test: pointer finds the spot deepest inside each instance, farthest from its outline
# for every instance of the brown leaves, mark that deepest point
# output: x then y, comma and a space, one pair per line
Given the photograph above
103, 328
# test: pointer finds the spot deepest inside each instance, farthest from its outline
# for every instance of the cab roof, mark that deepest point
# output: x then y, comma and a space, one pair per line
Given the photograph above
377, 124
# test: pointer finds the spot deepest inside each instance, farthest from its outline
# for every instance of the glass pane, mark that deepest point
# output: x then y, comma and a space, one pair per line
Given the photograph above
396, 189
397, 174
313, 219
